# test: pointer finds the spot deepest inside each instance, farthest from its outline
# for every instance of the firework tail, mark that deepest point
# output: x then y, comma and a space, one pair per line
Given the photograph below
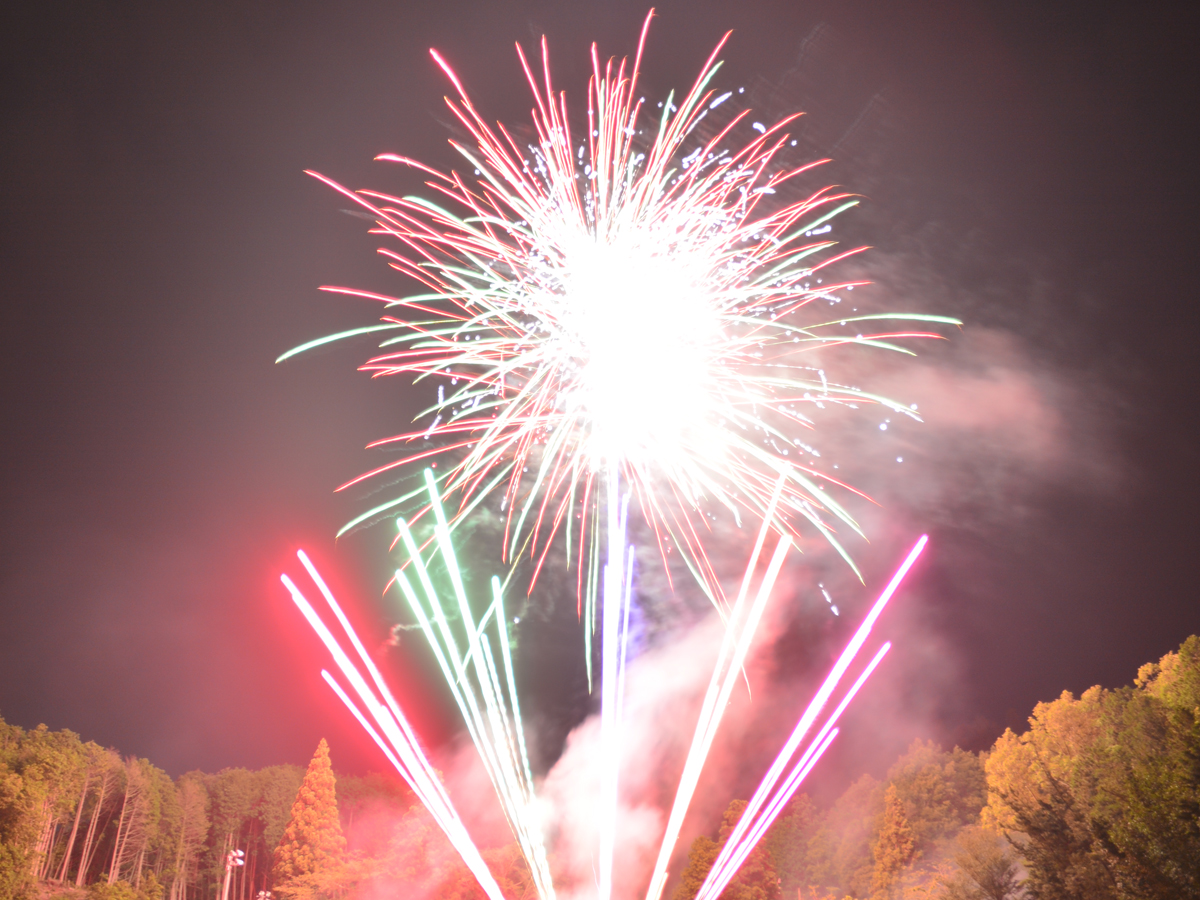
398, 740
614, 615
490, 708
729, 862
739, 632
488, 702
722, 871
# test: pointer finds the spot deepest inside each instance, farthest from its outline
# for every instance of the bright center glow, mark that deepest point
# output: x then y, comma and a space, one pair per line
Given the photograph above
643, 332
635, 302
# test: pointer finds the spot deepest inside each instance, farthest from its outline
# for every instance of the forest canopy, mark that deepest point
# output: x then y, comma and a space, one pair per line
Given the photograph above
1099, 799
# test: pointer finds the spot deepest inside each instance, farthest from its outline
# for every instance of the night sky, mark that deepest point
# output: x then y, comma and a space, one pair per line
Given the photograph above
161, 246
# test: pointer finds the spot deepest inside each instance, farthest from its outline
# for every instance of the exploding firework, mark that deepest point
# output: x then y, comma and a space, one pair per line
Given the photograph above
620, 307
618, 311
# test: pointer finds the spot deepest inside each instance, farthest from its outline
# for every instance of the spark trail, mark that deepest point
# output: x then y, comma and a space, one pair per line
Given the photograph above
755, 819
489, 705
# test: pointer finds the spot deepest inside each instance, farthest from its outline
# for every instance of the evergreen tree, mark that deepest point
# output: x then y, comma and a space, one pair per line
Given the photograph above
312, 840
277, 788
1147, 814
756, 879
894, 847
189, 836
941, 791
986, 868
1102, 793
788, 843
701, 857
839, 850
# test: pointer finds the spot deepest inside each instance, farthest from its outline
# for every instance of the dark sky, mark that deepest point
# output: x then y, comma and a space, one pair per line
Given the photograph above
160, 247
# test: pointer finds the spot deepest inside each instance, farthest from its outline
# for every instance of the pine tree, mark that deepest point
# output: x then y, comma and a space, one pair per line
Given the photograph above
894, 848
701, 857
313, 838
756, 878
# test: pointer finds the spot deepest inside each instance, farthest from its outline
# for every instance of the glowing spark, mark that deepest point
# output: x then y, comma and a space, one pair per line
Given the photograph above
618, 575
739, 632
489, 704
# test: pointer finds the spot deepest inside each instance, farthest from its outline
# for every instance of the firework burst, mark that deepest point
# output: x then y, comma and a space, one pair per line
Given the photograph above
627, 304
623, 310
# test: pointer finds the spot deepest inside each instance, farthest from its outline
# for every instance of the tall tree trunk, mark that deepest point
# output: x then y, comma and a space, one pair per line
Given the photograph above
55, 835
241, 876
89, 845
137, 868
62, 873
253, 867
131, 830
180, 866
115, 865
46, 823
193, 834
226, 847
46, 863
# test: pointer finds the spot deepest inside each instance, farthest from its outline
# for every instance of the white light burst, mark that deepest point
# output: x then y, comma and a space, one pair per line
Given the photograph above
626, 309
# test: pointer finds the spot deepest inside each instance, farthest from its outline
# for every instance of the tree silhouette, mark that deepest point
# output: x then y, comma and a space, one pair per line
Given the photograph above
894, 848
312, 840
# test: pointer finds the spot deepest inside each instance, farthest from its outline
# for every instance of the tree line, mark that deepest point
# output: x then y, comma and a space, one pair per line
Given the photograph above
78, 817
1099, 799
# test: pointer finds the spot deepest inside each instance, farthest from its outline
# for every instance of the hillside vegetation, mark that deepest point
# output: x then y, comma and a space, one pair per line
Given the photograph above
1099, 799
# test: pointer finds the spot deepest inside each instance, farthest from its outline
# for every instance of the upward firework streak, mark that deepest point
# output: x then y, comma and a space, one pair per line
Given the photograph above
492, 714
628, 308
398, 742
755, 821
